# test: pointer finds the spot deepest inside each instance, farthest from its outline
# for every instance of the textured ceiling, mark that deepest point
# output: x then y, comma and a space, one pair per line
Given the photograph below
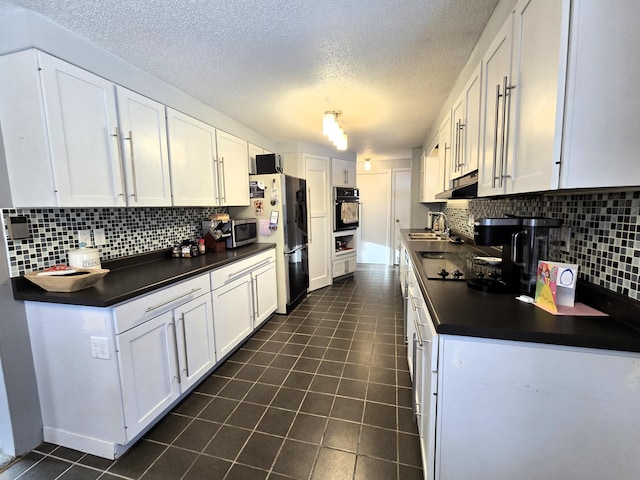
277, 65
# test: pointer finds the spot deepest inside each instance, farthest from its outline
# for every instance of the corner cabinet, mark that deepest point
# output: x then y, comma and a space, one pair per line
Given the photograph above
523, 82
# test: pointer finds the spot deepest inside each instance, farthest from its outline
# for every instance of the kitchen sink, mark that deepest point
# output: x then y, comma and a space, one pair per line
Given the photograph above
426, 236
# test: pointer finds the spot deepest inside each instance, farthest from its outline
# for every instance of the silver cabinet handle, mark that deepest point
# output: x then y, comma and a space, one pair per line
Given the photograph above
461, 159
184, 343
495, 138
133, 167
504, 131
507, 101
117, 135
219, 189
171, 328
223, 186
155, 307
239, 273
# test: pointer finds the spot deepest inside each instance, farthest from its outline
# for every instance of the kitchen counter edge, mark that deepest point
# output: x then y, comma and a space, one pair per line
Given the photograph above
130, 277
619, 331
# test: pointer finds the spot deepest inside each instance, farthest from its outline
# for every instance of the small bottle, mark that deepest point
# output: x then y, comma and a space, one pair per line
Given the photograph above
186, 251
194, 249
202, 249
176, 252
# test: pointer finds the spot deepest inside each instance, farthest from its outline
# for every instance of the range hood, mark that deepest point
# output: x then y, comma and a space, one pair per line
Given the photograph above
462, 187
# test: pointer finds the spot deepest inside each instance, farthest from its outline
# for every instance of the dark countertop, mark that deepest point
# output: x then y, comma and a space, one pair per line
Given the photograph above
133, 276
458, 310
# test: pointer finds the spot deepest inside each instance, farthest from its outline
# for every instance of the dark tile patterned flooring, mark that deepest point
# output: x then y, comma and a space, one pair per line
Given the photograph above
321, 393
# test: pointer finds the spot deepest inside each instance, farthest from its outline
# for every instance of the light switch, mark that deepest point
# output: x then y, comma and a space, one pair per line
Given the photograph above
100, 348
99, 237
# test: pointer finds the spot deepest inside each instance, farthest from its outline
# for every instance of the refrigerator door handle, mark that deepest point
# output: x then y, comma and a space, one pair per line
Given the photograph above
291, 252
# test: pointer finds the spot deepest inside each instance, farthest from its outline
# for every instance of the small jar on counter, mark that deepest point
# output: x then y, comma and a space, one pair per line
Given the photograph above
202, 249
176, 252
194, 249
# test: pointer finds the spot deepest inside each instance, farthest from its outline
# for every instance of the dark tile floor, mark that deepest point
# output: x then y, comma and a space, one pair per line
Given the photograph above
322, 393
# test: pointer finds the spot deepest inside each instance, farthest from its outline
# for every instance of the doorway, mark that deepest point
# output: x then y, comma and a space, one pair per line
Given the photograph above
401, 208
374, 232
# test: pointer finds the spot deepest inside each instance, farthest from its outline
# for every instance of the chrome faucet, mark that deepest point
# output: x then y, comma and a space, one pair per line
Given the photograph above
447, 229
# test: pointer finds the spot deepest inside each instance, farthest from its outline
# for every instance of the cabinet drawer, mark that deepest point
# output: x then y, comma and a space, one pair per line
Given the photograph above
229, 273
344, 265
135, 312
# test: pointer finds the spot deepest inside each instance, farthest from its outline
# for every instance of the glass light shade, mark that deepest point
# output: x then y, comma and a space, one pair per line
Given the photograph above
367, 164
328, 123
336, 135
342, 142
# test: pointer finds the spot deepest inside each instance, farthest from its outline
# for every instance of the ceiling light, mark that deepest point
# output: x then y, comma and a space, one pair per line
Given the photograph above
367, 164
331, 128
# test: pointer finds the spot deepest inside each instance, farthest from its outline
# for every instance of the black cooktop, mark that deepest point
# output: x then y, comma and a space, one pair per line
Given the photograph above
480, 272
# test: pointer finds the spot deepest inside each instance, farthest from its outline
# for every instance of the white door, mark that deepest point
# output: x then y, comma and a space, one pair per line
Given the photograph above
192, 155
150, 383
233, 169
401, 208
195, 340
82, 125
233, 314
143, 137
374, 243
317, 175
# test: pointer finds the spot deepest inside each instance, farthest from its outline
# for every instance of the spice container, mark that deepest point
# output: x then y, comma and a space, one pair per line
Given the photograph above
202, 249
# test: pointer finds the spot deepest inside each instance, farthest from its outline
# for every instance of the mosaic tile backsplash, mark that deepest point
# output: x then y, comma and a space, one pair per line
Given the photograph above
605, 234
129, 231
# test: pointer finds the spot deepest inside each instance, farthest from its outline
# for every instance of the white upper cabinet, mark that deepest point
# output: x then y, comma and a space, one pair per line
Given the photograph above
232, 170
444, 155
430, 184
59, 127
192, 156
253, 151
343, 173
143, 137
523, 98
466, 128
601, 141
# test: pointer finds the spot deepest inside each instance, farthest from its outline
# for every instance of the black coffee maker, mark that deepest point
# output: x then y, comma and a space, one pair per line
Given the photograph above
524, 241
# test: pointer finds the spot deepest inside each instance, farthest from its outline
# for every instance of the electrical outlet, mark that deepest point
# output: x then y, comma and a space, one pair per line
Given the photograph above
565, 238
100, 348
99, 237
471, 220
84, 238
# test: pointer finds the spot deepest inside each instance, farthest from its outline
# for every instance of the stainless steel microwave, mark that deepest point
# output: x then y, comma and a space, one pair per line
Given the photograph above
243, 232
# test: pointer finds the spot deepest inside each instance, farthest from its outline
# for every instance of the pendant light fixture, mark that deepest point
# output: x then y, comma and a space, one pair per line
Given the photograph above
331, 128
367, 164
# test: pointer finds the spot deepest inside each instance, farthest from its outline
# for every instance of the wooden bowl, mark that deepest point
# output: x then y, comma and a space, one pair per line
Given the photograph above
67, 283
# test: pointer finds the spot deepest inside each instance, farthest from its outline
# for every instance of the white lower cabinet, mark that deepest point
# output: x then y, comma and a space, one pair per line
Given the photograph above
117, 370
244, 295
163, 358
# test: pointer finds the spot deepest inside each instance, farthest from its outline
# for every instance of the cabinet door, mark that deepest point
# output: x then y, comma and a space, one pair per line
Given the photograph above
444, 154
457, 138
233, 170
539, 70
317, 173
195, 340
430, 183
265, 292
143, 137
470, 128
494, 129
232, 314
82, 124
148, 370
192, 155
343, 173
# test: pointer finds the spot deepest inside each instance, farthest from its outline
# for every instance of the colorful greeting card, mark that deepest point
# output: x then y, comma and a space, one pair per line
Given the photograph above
546, 289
